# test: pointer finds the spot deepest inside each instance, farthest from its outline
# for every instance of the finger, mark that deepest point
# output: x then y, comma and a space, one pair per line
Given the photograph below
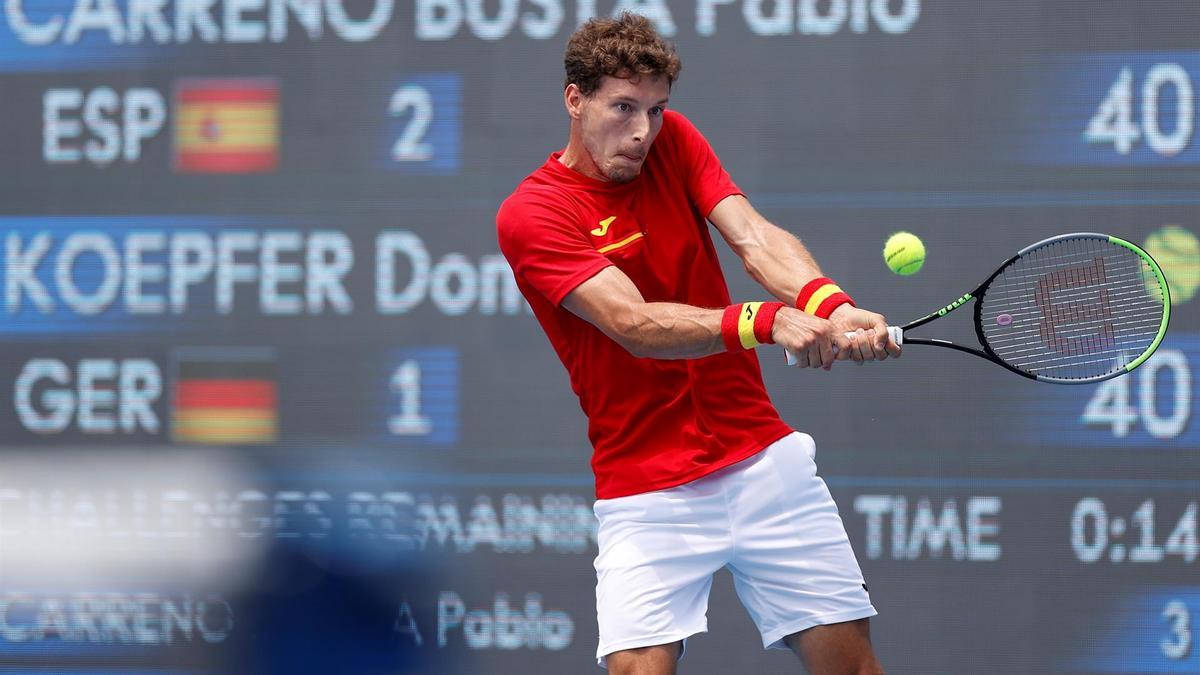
854, 349
814, 355
883, 340
865, 342
801, 356
826, 343
845, 347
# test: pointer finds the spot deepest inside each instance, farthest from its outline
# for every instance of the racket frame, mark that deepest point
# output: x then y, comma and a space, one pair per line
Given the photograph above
981, 291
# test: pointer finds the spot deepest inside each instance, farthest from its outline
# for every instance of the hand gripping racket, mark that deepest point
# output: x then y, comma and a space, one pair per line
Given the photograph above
1071, 309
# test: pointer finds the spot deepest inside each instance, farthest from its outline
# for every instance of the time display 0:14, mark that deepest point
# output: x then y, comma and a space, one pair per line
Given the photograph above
1096, 535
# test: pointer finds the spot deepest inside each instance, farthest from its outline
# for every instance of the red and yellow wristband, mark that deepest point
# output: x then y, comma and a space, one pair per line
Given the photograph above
748, 325
821, 296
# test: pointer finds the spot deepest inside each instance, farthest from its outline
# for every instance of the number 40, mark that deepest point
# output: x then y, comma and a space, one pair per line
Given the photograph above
1111, 406
1113, 121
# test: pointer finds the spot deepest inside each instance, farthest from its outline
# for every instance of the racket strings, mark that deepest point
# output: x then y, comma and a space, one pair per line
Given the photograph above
1062, 260
1028, 357
1075, 309
1131, 336
1029, 322
1121, 281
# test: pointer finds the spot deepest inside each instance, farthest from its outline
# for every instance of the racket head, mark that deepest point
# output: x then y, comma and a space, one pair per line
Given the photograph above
1073, 309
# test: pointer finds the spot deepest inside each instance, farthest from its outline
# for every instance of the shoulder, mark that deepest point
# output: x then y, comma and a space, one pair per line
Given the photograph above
679, 137
674, 118
531, 208
533, 198
678, 124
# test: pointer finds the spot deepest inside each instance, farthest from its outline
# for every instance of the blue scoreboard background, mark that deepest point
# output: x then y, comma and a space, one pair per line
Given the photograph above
275, 405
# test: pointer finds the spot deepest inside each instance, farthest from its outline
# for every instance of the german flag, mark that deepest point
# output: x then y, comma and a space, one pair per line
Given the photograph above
226, 125
227, 399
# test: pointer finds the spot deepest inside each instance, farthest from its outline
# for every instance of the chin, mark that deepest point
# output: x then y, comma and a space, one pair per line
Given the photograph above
623, 175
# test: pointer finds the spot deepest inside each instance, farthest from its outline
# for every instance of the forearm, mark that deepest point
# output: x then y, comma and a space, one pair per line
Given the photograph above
772, 256
779, 262
664, 330
659, 330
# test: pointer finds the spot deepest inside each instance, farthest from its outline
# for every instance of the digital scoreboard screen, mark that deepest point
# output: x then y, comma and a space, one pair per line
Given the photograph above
275, 404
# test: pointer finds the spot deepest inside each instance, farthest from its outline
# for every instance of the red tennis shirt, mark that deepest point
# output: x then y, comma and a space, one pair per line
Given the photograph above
653, 423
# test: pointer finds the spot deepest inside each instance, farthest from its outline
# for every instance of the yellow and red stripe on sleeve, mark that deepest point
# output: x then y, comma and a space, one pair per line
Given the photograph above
821, 296
748, 325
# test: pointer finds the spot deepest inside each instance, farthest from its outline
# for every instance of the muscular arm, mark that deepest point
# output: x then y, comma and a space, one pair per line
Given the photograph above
660, 330
780, 263
663, 330
772, 256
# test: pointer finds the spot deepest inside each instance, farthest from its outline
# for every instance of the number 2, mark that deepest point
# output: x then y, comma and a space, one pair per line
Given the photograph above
411, 146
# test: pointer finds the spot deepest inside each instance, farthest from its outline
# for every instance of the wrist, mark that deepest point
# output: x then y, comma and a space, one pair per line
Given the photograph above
748, 325
841, 311
821, 297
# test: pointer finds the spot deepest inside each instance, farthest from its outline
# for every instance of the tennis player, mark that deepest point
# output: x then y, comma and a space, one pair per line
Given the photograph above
694, 468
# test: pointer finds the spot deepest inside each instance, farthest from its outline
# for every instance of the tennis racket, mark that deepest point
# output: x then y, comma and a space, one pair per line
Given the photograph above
1071, 309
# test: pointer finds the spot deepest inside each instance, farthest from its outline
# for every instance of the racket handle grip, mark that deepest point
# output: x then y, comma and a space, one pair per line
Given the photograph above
896, 333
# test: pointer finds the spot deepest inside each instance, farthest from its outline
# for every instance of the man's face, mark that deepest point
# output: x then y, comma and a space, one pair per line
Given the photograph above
619, 121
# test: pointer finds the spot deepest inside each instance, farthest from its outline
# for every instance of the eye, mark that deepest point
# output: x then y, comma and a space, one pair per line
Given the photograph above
624, 107
656, 111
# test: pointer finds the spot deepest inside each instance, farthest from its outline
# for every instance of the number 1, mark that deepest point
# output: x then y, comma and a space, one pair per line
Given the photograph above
406, 381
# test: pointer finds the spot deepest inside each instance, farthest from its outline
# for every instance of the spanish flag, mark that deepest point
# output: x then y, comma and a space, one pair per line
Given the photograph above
228, 399
226, 125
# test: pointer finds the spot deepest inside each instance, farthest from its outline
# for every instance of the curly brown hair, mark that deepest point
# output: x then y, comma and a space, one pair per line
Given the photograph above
622, 47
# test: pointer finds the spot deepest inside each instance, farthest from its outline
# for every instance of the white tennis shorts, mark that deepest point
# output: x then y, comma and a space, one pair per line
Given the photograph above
769, 518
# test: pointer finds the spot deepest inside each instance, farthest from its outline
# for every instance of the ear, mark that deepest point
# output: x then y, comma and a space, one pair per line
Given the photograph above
573, 100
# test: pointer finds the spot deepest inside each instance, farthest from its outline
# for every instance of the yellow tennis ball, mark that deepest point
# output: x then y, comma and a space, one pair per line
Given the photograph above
904, 253
1177, 251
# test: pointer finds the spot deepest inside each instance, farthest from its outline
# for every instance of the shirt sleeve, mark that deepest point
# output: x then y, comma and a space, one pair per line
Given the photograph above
707, 181
544, 247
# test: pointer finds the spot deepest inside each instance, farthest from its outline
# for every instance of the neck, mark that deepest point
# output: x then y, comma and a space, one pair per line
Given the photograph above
577, 158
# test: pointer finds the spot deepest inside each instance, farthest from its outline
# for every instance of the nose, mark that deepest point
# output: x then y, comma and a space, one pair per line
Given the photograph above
641, 128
